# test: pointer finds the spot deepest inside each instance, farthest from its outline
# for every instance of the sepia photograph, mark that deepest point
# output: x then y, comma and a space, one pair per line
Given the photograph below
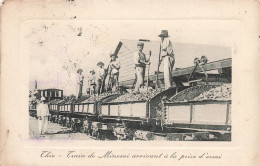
129, 80
124, 83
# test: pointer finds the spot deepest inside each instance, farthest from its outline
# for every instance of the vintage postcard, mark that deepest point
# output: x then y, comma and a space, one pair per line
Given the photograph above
145, 82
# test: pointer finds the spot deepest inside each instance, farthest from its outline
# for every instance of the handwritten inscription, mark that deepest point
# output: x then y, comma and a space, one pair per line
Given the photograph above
47, 154
73, 154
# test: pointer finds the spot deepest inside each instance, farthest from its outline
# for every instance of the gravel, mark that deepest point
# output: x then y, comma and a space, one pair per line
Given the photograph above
143, 96
219, 93
97, 98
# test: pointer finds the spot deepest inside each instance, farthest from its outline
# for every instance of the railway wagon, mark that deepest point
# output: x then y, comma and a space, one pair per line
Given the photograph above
211, 113
210, 116
133, 114
82, 111
84, 107
132, 110
86, 113
65, 110
157, 118
54, 109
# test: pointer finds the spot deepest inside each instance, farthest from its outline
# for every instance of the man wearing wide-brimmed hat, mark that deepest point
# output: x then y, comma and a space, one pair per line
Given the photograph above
167, 57
42, 115
113, 71
140, 61
100, 73
79, 80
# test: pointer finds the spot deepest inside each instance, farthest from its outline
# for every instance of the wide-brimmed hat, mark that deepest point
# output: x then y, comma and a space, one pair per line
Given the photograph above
43, 98
164, 33
79, 70
100, 64
140, 44
115, 55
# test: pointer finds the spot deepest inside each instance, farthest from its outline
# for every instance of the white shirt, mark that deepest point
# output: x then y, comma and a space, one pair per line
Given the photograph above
42, 110
139, 56
114, 67
166, 47
79, 78
100, 73
91, 79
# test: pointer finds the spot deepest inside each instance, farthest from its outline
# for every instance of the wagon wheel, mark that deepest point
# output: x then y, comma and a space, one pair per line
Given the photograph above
103, 136
78, 128
87, 131
74, 128
97, 135
82, 130
200, 138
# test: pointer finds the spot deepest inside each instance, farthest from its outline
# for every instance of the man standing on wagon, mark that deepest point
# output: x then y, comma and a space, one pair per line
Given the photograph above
100, 77
140, 61
167, 57
113, 71
92, 83
79, 83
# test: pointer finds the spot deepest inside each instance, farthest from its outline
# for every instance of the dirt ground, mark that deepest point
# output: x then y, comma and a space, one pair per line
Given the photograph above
55, 131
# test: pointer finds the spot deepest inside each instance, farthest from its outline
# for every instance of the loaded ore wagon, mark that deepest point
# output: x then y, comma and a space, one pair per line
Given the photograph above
200, 109
54, 109
133, 111
169, 115
65, 112
86, 114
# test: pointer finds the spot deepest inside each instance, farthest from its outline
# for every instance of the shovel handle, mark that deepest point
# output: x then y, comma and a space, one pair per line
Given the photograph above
150, 53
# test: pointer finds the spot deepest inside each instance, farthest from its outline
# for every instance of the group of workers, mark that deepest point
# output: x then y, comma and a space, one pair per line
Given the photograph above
97, 78
100, 77
97, 81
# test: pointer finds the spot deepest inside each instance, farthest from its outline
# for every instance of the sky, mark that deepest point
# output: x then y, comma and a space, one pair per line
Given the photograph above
58, 48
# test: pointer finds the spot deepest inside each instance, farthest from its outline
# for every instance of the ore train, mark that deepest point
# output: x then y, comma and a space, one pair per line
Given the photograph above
176, 114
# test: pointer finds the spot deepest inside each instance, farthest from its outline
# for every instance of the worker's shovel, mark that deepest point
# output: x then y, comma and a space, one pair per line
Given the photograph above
150, 53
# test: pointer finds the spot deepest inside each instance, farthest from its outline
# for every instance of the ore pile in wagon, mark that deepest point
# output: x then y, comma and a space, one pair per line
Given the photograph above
69, 100
218, 93
142, 96
93, 99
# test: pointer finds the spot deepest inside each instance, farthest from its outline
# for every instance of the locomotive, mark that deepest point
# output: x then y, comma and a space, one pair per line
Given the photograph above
178, 113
